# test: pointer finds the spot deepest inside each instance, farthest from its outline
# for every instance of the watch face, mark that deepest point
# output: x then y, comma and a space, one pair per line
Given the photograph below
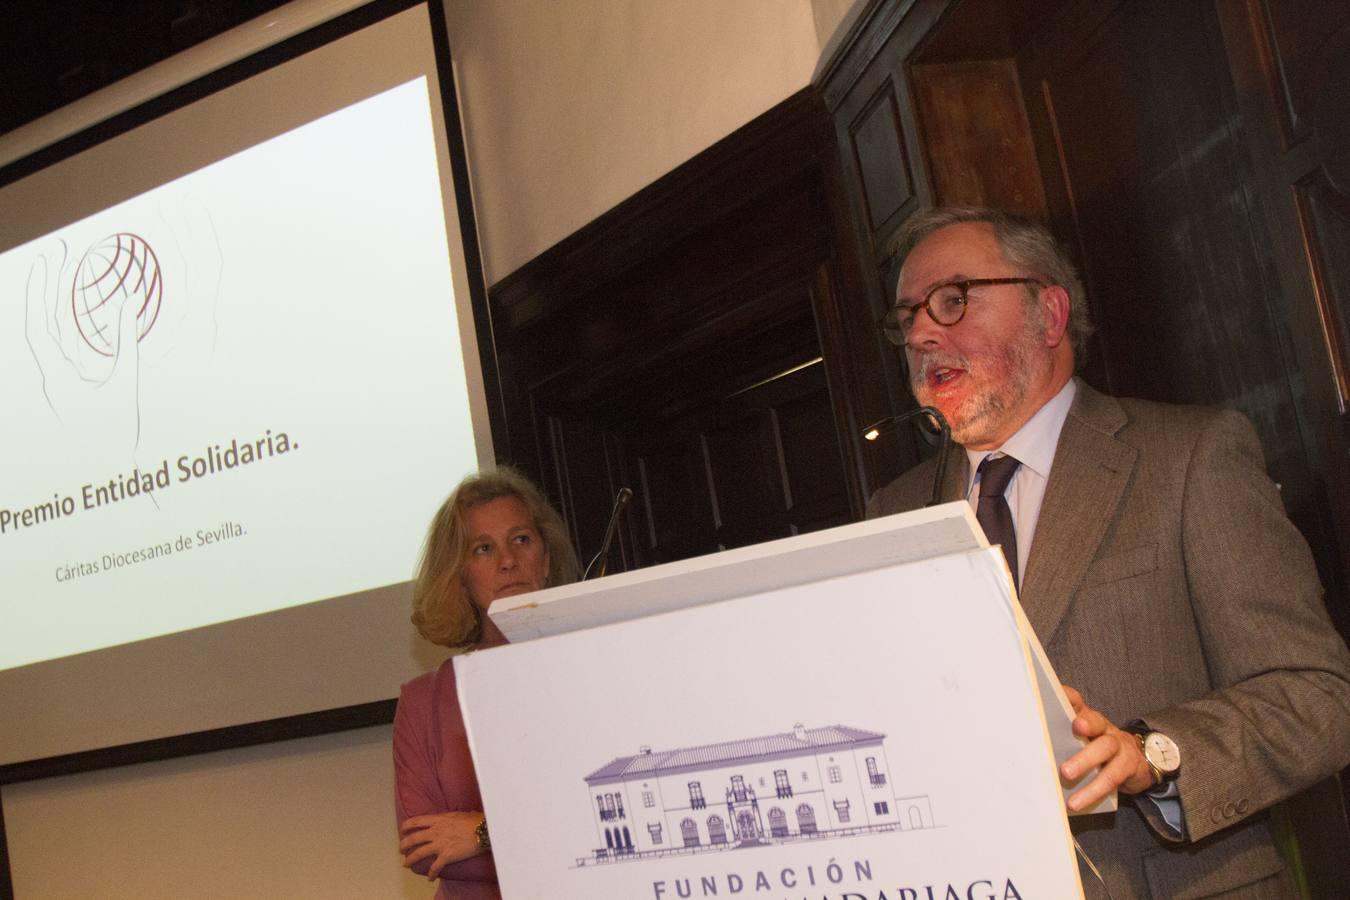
1162, 751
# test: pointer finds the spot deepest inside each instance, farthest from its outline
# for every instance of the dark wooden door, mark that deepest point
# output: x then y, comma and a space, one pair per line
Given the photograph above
1290, 65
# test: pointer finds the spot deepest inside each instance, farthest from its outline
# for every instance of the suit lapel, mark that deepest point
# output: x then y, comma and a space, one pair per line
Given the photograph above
957, 476
1087, 482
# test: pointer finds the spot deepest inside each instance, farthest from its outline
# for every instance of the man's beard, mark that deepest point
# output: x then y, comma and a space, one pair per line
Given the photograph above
1002, 380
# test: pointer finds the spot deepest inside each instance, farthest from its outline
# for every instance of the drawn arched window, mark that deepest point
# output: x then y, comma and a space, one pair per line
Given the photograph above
618, 803
780, 781
627, 839
746, 829
806, 819
778, 823
717, 831
609, 839
604, 814
738, 788
875, 775
689, 832
696, 800
915, 817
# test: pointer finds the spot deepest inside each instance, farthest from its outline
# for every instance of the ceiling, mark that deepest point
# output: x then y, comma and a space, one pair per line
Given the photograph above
55, 51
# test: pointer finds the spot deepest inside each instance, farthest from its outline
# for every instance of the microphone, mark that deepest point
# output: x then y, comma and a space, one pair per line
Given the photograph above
600, 563
930, 420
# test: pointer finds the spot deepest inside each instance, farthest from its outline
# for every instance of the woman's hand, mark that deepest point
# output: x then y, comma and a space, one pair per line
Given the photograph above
444, 838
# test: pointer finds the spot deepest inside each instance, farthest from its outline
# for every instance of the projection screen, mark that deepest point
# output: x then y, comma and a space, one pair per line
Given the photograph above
239, 374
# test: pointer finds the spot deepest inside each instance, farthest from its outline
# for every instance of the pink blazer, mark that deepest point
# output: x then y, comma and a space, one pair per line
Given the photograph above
433, 773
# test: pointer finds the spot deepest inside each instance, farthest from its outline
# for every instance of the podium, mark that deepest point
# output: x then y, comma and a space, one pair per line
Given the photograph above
855, 713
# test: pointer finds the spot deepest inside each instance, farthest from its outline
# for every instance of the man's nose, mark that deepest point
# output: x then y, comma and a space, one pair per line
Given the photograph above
924, 333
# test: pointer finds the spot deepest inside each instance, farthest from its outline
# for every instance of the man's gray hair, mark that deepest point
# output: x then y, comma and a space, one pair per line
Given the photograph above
1026, 244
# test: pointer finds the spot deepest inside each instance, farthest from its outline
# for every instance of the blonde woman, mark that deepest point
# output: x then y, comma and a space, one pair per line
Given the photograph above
495, 536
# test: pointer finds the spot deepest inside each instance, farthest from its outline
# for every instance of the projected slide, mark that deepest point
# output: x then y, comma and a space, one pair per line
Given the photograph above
240, 391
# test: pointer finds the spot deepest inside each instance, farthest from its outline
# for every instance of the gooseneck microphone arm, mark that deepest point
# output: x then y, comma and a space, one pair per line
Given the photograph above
600, 563
929, 417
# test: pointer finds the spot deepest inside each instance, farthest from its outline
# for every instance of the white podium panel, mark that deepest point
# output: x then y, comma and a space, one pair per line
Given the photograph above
871, 734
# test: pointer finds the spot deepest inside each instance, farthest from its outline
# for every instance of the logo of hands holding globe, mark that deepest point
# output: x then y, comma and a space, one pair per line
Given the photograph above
84, 325
118, 271
124, 313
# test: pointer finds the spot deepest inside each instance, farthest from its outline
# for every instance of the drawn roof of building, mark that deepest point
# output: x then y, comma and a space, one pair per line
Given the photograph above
788, 743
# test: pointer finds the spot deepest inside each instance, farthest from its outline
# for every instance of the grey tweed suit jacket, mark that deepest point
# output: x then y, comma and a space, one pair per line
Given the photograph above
1167, 584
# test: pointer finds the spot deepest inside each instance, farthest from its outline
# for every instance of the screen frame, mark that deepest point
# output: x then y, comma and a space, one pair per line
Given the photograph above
320, 722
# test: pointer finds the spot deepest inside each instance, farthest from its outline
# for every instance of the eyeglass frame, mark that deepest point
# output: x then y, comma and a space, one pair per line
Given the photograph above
890, 324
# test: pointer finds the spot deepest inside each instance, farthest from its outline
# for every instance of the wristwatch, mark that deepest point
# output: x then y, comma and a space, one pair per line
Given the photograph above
481, 832
1160, 752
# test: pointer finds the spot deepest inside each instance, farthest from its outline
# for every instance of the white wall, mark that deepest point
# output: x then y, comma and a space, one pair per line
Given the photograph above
306, 818
829, 14
571, 107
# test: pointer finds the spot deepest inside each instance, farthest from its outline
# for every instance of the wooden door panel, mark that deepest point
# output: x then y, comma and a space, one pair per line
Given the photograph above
1300, 36
878, 145
1324, 213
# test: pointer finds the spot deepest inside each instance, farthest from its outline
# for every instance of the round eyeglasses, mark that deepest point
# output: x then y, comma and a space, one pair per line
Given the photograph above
945, 304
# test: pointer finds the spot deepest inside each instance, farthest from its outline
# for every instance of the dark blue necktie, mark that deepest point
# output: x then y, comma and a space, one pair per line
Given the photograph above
992, 512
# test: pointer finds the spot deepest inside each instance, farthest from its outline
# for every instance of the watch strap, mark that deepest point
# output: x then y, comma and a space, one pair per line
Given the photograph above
481, 833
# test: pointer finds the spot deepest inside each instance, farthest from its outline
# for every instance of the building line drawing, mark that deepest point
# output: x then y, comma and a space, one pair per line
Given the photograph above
800, 785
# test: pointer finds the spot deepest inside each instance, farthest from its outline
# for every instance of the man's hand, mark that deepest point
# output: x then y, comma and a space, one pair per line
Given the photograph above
444, 838
1123, 767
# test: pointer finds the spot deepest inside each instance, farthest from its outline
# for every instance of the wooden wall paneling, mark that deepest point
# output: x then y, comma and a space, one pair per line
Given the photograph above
881, 160
1185, 291
1174, 267
852, 369
1299, 36
1324, 217
976, 137
1071, 27
760, 462
876, 126
876, 182
808, 445
1288, 66
586, 464
631, 345
1190, 285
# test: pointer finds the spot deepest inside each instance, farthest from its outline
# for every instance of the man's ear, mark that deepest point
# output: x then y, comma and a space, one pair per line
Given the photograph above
1054, 302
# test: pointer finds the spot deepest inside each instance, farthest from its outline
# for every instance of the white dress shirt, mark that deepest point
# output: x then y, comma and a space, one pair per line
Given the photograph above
1034, 446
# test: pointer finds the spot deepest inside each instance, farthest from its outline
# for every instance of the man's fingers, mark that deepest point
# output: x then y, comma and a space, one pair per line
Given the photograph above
1092, 792
1089, 723
1097, 753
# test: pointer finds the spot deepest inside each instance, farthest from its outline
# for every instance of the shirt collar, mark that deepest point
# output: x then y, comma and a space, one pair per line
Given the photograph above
1034, 443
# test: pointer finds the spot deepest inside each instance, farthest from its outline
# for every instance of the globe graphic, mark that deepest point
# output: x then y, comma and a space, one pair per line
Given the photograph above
121, 266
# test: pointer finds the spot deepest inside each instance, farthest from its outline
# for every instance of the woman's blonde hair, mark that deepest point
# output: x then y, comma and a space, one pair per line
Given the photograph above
442, 610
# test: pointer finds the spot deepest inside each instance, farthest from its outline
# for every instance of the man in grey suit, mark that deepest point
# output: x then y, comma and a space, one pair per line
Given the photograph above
1156, 566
